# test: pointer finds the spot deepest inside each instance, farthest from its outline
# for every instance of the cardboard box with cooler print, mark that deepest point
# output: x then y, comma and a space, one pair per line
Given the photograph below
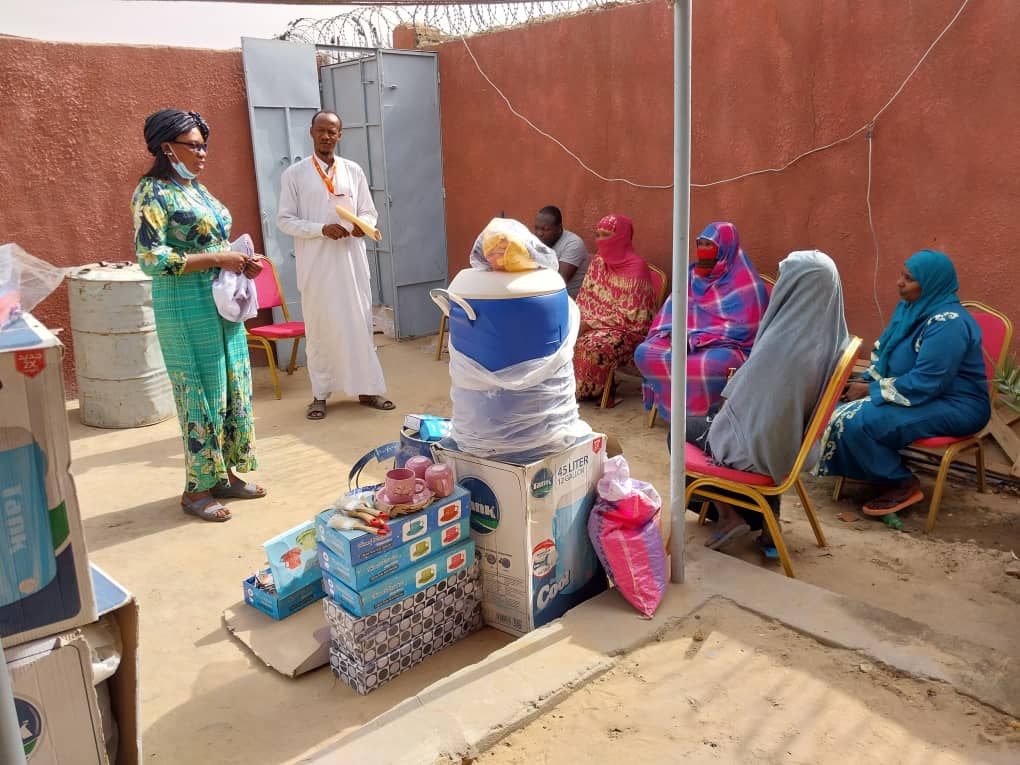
529, 525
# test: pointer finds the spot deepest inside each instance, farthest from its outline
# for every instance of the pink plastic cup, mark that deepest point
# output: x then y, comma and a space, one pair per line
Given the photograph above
439, 478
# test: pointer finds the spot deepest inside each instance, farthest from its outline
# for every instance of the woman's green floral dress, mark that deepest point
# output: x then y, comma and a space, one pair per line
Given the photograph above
206, 356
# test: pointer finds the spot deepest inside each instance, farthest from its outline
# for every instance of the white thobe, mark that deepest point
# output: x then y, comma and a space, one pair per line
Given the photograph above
333, 276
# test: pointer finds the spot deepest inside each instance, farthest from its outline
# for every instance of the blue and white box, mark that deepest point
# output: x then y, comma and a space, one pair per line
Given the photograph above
388, 563
529, 523
398, 586
45, 587
294, 565
281, 606
353, 547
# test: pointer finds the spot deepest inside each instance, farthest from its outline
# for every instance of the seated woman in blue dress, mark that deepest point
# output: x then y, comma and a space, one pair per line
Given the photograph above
927, 378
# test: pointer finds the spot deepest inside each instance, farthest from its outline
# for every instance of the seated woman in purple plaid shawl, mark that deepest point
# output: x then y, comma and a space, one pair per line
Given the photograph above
726, 300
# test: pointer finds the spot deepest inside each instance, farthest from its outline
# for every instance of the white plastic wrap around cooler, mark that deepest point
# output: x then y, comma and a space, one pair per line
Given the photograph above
122, 380
527, 409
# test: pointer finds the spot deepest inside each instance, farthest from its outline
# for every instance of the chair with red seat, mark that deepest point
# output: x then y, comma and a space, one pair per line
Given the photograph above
270, 295
754, 486
996, 337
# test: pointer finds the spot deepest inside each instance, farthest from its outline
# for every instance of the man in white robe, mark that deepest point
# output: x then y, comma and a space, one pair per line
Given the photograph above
332, 269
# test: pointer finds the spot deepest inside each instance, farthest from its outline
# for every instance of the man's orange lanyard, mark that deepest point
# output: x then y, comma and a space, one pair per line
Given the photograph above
325, 179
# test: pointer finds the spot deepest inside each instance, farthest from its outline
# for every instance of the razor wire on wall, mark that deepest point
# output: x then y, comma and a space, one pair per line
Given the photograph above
372, 26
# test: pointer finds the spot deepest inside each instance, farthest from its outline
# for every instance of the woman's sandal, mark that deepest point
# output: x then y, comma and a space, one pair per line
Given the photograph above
869, 509
377, 402
239, 490
767, 549
316, 410
722, 538
205, 508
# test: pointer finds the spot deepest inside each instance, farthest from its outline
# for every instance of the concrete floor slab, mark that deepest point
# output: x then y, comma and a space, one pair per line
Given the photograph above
471, 710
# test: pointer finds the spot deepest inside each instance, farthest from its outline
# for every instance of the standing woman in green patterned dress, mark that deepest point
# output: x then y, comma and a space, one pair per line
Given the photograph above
182, 241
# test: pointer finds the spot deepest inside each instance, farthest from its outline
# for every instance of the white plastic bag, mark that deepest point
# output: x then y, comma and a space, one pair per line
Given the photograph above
523, 412
25, 281
234, 294
515, 233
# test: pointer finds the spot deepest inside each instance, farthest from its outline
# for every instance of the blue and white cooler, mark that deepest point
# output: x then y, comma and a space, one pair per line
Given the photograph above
511, 363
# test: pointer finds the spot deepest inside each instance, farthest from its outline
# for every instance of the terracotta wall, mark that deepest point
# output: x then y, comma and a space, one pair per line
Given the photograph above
72, 151
771, 79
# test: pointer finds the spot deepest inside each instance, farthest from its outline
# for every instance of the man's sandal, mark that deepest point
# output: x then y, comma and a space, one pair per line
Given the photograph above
316, 410
377, 402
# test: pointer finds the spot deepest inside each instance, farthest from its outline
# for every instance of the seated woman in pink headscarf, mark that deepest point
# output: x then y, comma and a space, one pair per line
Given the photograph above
617, 304
726, 299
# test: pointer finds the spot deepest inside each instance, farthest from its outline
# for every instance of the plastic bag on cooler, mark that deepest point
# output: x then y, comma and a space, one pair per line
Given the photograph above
506, 244
25, 281
624, 530
525, 411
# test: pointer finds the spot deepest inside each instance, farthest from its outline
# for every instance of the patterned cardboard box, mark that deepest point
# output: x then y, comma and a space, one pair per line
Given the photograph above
366, 676
385, 630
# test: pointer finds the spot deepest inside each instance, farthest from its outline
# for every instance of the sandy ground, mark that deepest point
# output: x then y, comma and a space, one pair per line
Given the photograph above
729, 687
205, 698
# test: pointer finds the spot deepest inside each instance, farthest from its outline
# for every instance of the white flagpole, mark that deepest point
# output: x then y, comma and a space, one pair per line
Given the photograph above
681, 227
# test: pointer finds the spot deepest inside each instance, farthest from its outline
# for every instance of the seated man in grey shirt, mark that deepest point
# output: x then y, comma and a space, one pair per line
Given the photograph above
570, 250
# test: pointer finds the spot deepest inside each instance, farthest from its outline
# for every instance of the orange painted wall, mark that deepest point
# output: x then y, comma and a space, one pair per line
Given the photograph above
72, 151
770, 81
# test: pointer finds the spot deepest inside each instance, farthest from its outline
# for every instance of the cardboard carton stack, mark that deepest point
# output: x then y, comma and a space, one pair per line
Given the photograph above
46, 586
394, 599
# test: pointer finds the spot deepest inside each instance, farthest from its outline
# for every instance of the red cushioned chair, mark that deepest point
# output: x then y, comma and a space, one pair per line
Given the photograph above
996, 336
754, 486
270, 295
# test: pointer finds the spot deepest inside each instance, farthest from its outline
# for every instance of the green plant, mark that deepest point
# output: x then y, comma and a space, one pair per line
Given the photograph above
1007, 381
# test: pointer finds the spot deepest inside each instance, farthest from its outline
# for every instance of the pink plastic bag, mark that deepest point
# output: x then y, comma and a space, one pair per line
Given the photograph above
624, 529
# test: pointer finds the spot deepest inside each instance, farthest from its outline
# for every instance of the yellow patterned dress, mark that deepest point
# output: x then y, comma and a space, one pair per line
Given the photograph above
206, 355
618, 310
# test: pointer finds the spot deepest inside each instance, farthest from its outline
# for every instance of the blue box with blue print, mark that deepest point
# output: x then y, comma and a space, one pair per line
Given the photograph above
353, 547
308, 591
398, 586
385, 564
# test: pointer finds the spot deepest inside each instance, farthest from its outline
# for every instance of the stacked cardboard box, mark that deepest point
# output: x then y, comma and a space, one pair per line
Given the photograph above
47, 592
394, 599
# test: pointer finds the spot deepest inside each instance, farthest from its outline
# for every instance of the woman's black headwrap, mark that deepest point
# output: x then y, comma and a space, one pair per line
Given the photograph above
165, 125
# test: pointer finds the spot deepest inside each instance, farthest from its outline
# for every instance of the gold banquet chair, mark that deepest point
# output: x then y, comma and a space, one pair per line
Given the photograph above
996, 337
270, 295
710, 479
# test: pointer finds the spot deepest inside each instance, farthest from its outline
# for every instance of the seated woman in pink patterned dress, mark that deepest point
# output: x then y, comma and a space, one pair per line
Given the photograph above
726, 299
617, 303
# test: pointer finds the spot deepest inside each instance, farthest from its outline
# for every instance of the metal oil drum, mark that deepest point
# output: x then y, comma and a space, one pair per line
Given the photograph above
122, 381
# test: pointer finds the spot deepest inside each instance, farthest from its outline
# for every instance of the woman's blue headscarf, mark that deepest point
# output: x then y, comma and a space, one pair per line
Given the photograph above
935, 273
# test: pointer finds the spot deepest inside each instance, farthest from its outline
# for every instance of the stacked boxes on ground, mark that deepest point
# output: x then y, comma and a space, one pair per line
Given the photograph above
394, 599
47, 596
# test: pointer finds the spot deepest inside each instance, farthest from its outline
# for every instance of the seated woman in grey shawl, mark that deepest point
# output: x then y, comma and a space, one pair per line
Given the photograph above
769, 401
